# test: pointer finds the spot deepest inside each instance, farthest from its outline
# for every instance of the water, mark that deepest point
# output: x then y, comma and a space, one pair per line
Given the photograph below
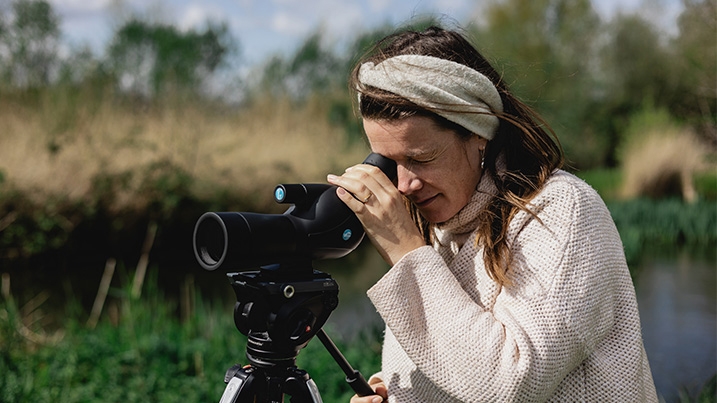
676, 298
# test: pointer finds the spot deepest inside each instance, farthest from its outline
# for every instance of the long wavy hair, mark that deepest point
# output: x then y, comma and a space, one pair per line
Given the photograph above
524, 141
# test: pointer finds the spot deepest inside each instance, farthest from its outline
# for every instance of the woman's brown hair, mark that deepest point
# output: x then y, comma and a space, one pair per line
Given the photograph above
524, 142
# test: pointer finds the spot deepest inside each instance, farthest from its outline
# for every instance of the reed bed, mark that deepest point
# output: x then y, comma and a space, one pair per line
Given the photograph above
54, 147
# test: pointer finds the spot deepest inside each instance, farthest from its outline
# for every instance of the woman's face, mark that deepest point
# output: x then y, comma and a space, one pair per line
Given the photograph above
437, 170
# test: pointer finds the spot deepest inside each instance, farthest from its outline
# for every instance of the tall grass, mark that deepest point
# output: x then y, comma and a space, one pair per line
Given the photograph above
646, 224
86, 156
58, 143
660, 157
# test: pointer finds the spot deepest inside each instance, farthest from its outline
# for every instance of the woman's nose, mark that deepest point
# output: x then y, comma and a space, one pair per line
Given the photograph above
408, 182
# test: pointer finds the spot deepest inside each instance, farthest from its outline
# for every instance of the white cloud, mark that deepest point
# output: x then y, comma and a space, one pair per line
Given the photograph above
196, 15
285, 23
80, 5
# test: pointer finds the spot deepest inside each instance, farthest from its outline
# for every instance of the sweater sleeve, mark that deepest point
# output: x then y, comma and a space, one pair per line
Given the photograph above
558, 307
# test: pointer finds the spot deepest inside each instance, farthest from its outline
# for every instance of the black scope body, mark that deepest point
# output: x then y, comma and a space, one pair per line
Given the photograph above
318, 225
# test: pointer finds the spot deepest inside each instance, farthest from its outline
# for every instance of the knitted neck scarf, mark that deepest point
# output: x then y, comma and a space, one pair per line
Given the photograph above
451, 90
451, 235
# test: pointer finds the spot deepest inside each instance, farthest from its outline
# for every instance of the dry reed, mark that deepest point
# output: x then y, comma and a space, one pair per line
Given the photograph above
58, 147
662, 163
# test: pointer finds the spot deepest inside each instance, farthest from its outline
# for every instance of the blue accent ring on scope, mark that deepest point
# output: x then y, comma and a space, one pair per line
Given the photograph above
279, 194
347, 234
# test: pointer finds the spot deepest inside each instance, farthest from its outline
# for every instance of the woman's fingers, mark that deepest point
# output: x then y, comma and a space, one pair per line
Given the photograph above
367, 399
381, 393
363, 182
380, 207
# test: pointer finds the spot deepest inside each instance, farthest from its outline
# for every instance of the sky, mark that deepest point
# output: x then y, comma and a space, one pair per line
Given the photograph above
267, 27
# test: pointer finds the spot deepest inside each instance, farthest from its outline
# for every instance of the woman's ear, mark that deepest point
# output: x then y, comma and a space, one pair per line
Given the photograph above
481, 142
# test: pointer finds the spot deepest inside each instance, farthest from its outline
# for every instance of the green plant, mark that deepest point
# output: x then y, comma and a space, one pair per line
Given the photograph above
149, 354
606, 181
707, 394
643, 222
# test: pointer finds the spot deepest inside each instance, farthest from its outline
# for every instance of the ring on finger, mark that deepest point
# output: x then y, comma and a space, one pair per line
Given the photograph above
367, 198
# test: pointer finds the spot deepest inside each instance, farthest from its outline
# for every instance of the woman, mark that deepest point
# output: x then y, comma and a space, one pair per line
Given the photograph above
508, 278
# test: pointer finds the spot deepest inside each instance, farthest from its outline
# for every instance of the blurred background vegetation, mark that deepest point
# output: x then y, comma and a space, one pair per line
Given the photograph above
112, 158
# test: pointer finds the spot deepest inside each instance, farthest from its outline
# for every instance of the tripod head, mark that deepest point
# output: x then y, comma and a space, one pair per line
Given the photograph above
280, 316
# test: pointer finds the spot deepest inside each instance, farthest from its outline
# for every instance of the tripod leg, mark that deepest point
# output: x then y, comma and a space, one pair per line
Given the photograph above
301, 387
243, 386
231, 392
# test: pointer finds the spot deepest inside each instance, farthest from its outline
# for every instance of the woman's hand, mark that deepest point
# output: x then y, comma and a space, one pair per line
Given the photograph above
381, 392
380, 208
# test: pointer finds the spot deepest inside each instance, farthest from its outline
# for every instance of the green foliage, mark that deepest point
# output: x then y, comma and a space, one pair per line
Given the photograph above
585, 75
311, 69
155, 58
605, 181
149, 356
636, 62
31, 39
707, 394
706, 185
644, 223
644, 121
546, 52
29, 230
694, 53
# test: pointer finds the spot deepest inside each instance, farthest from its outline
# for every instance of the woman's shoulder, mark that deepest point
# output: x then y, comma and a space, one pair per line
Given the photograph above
569, 196
564, 183
567, 219
565, 208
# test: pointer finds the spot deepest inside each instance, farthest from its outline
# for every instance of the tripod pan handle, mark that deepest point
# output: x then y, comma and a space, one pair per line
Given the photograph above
359, 385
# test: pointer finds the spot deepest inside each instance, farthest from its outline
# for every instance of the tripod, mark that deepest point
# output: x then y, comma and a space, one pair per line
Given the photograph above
280, 308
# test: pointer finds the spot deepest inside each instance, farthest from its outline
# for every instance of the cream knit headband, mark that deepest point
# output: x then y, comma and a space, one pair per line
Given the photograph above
452, 90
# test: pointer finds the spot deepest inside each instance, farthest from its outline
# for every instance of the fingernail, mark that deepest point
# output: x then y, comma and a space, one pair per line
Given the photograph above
376, 400
331, 178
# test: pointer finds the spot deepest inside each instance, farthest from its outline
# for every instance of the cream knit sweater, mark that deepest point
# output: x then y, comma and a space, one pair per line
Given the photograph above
566, 330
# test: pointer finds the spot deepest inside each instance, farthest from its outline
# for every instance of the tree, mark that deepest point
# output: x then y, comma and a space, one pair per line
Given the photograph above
28, 43
311, 69
156, 59
695, 54
638, 66
547, 53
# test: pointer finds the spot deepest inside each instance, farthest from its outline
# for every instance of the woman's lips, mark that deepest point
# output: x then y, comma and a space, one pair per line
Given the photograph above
425, 202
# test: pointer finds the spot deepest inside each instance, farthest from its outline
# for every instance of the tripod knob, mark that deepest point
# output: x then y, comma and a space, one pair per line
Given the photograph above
304, 324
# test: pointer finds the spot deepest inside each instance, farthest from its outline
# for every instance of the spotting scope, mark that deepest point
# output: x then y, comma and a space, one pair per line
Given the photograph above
317, 225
